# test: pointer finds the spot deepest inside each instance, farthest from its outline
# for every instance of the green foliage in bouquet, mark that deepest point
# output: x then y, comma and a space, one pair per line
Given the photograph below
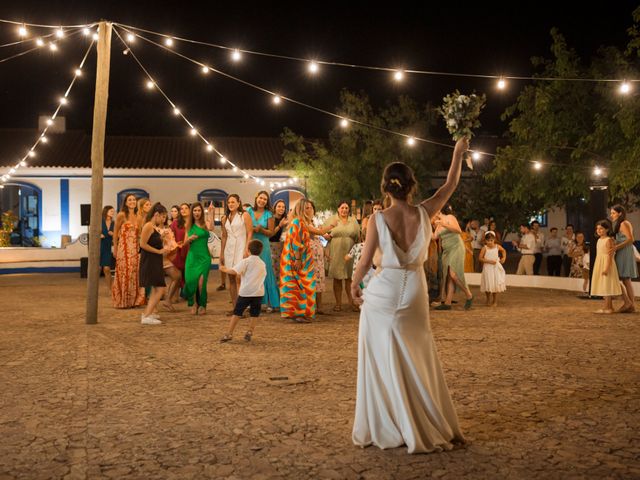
461, 113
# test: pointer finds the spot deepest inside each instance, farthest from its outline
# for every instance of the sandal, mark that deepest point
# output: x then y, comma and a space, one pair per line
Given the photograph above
248, 335
468, 303
337, 308
226, 338
355, 308
202, 310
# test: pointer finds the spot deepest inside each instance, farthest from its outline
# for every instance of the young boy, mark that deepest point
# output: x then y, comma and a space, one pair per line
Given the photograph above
252, 271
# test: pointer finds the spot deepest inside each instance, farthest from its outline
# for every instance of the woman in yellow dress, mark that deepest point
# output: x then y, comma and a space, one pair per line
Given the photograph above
467, 238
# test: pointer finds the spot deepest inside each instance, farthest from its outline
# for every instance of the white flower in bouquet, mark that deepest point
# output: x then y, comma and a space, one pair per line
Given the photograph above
461, 114
322, 217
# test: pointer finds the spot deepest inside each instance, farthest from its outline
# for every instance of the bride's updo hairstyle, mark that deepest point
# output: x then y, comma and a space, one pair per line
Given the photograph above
398, 181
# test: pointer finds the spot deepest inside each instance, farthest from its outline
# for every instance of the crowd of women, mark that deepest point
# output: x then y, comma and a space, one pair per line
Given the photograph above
150, 244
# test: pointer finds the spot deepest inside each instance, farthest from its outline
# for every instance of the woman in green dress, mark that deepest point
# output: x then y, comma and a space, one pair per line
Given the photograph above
198, 263
450, 234
342, 237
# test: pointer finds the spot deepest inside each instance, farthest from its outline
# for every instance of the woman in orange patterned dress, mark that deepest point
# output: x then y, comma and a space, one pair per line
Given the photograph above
297, 270
125, 291
467, 239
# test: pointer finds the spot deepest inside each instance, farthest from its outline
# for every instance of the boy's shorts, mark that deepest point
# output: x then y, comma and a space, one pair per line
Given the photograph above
252, 302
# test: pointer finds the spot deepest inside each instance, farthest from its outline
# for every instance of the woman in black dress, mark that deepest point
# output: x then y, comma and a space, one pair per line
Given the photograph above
151, 268
106, 243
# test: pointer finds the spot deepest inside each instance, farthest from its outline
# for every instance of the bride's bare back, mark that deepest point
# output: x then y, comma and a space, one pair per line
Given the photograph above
403, 221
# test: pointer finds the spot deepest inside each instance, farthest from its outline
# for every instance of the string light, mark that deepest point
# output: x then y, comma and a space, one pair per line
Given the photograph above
53, 47
96, 37
209, 148
150, 85
597, 171
176, 111
501, 79
277, 99
86, 31
236, 56
313, 67
42, 138
625, 87
60, 33
78, 72
537, 165
223, 160
344, 123
411, 141
39, 42
235, 169
398, 76
22, 31
205, 69
131, 37
193, 132
168, 42
476, 156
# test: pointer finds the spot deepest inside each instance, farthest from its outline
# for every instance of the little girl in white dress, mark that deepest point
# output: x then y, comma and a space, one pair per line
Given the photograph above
493, 279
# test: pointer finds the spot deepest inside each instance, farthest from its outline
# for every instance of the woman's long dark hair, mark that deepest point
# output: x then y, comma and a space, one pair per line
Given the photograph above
273, 209
180, 217
123, 207
193, 220
623, 216
267, 207
227, 212
105, 210
606, 224
157, 208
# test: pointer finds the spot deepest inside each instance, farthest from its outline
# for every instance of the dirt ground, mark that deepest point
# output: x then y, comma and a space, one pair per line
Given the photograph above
544, 389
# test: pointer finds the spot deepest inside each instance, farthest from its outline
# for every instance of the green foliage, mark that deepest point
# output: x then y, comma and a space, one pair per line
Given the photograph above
349, 164
9, 220
461, 112
572, 127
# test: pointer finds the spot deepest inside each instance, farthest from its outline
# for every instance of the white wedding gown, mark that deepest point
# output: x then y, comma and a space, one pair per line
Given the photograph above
402, 397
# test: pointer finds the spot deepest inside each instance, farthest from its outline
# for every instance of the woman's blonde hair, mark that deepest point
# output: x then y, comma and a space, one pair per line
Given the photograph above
298, 210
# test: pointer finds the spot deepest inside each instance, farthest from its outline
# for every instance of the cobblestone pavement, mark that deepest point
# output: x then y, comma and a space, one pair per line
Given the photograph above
544, 389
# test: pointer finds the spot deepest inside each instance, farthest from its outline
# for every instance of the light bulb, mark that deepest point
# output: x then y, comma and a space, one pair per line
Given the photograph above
313, 67
78, 72
12, 171
31, 154
44, 139
150, 84
537, 165
49, 121
502, 84
597, 171
86, 32
95, 36
344, 123
53, 47
235, 169
176, 111
277, 99
209, 148
236, 55
22, 31
261, 182
476, 156
205, 69
23, 163
60, 33
246, 175
63, 101
39, 42
131, 37
411, 141
168, 42
193, 132
223, 160
398, 76
625, 87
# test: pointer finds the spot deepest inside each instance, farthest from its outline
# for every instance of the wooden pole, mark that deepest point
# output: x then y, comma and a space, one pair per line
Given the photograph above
97, 164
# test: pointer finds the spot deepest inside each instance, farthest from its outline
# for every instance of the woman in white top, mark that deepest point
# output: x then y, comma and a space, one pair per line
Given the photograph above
402, 396
236, 233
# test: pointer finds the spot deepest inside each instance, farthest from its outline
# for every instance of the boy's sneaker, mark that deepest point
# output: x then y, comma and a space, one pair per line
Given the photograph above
248, 335
150, 320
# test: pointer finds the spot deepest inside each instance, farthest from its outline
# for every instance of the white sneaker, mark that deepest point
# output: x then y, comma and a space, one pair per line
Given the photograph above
150, 321
155, 315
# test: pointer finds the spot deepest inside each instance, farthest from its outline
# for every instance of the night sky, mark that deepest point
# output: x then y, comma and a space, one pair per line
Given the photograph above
496, 39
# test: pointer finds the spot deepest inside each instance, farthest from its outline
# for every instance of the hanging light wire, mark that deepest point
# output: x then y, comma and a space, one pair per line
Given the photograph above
53, 42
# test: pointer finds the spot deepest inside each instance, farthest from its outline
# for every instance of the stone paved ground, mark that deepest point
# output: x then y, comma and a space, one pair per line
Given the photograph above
544, 389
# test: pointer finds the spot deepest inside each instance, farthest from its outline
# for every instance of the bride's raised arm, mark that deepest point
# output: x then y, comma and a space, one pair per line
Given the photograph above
441, 197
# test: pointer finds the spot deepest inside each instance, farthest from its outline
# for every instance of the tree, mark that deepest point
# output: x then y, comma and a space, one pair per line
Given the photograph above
571, 127
349, 164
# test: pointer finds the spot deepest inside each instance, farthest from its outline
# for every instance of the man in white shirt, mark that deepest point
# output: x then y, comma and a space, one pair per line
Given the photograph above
526, 247
537, 250
252, 271
566, 244
553, 247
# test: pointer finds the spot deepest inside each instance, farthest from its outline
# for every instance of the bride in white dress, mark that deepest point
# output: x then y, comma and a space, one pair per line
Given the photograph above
402, 397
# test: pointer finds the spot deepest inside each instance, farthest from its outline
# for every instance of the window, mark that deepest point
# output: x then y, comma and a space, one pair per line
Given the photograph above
540, 218
24, 200
216, 197
138, 192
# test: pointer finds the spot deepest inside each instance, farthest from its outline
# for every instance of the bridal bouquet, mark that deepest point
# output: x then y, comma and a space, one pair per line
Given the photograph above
461, 114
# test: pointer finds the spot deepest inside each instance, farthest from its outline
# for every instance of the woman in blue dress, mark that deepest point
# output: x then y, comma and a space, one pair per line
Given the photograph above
625, 259
106, 242
263, 228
